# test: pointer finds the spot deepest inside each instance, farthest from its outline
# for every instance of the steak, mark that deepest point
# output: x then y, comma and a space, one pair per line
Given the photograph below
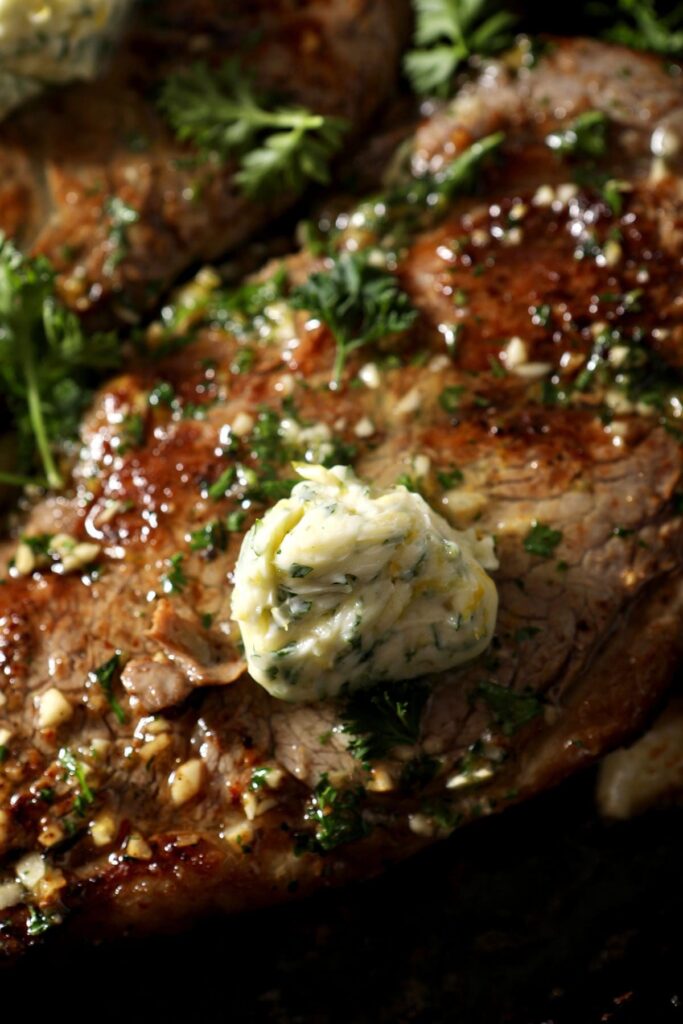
535, 398
70, 160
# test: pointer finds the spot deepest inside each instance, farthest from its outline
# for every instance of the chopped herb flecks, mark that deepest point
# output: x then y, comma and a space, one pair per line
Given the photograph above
337, 816
104, 675
510, 710
542, 540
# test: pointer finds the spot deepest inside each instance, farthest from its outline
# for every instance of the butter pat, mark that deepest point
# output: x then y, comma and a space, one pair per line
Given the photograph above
44, 42
342, 585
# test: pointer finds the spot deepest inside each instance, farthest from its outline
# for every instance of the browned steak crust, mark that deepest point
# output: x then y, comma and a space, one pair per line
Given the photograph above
588, 630
66, 157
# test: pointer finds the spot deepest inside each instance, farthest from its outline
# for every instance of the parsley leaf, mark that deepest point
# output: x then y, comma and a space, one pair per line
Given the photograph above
384, 717
447, 32
542, 540
359, 302
77, 771
279, 148
584, 136
643, 27
337, 817
175, 580
39, 921
510, 710
48, 366
104, 675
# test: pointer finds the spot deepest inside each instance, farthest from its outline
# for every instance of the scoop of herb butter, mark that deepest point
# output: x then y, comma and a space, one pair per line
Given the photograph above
50, 41
343, 585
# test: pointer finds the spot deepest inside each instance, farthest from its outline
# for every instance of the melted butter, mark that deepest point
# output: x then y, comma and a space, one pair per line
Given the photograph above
345, 585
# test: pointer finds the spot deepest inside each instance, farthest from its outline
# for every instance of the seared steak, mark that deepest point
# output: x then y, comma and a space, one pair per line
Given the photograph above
534, 397
69, 161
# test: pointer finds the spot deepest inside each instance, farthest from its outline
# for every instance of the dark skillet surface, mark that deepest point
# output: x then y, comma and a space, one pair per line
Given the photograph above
542, 915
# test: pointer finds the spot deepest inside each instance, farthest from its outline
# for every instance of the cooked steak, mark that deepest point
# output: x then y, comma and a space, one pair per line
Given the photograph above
534, 397
93, 177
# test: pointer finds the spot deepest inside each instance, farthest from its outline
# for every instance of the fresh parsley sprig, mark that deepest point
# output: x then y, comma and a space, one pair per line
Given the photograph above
643, 27
383, 717
48, 365
358, 301
279, 148
447, 32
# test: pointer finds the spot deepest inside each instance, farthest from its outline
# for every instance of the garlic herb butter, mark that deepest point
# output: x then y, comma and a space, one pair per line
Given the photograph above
344, 585
44, 42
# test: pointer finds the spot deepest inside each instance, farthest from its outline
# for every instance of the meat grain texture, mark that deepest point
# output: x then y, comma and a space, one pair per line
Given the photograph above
173, 823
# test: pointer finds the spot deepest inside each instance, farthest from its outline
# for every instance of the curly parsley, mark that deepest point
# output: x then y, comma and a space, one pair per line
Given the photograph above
279, 148
337, 816
447, 32
359, 302
384, 717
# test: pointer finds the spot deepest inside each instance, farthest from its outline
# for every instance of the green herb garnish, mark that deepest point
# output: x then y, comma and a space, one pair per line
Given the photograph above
337, 816
450, 478
218, 488
278, 148
299, 571
585, 136
449, 399
104, 675
210, 538
359, 302
383, 717
542, 540
48, 366
121, 217
644, 28
175, 580
510, 710
39, 921
75, 769
447, 32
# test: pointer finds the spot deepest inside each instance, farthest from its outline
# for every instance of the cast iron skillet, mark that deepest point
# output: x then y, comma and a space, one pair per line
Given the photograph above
545, 914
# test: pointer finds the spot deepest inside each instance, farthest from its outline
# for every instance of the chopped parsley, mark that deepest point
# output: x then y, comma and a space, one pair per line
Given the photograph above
175, 580
244, 312
131, 433
299, 571
383, 717
38, 921
210, 538
542, 540
409, 482
337, 816
450, 478
585, 136
104, 675
259, 778
510, 710
76, 770
449, 399
219, 487
121, 217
